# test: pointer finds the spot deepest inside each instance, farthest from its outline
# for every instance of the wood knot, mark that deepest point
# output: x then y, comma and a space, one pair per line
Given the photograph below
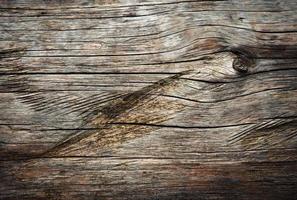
240, 65
243, 62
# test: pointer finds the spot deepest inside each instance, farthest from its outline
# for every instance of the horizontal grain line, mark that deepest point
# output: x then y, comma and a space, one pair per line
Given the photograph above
88, 7
204, 25
242, 78
157, 158
238, 10
97, 12
63, 129
28, 143
176, 126
231, 98
217, 52
145, 54
83, 73
184, 152
248, 29
193, 42
113, 7
102, 17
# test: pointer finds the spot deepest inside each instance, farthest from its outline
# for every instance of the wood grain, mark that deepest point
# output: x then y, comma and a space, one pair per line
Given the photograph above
118, 99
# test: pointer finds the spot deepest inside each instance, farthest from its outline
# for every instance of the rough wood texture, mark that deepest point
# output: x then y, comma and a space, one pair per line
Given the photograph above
120, 99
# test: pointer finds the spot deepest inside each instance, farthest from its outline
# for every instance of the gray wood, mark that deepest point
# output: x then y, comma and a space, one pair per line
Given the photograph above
149, 99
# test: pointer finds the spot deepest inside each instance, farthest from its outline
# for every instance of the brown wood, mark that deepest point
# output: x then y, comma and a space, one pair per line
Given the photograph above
121, 99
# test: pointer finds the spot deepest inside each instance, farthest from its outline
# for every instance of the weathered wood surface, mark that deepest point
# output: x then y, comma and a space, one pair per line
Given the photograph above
121, 99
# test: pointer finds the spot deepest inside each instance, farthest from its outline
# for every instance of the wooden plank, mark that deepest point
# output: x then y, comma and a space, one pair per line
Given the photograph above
148, 99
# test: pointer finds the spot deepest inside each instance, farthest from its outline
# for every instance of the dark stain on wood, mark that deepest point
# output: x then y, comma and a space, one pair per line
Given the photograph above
115, 111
